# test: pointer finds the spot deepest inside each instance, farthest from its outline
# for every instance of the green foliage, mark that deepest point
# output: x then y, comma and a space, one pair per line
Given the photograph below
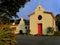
57, 19
26, 22
4, 20
50, 31
9, 8
27, 31
6, 35
57, 33
1, 23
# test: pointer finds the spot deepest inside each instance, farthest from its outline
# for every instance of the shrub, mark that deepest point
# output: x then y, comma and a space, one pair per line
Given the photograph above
57, 33
50, 31
6, 35
27, 31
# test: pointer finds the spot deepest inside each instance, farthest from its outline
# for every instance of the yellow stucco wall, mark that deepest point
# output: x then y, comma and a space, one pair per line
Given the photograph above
46, 21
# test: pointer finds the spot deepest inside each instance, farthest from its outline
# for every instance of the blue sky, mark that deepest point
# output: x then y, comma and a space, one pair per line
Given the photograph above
49, 5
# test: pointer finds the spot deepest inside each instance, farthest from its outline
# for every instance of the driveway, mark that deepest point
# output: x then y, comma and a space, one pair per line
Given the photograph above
41, 40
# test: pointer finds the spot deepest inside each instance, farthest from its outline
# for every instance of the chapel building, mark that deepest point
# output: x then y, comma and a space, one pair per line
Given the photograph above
40, 20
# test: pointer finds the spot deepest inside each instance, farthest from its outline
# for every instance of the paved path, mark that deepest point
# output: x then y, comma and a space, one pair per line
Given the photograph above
34, 40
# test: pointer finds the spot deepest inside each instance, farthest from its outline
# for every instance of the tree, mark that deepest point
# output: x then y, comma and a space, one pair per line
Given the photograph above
8, 8
4, 20
57, 18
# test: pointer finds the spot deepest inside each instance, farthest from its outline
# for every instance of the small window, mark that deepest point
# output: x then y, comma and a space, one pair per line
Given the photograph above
39, 17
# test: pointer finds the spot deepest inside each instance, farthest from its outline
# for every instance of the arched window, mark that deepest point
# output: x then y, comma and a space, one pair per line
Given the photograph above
39, 17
